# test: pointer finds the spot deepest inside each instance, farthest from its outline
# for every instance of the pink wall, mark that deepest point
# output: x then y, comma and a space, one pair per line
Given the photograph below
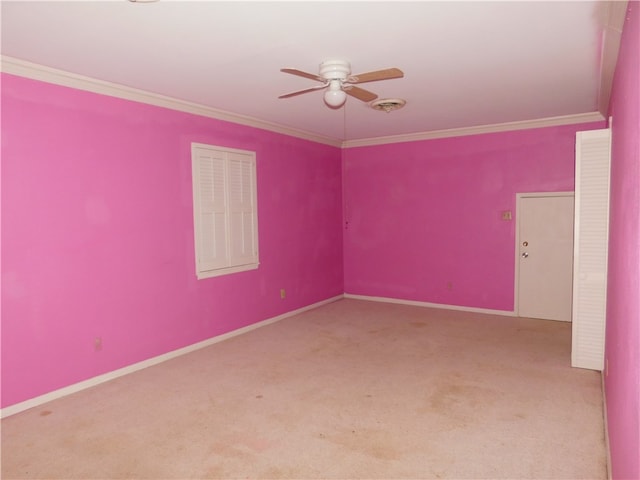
97, 234
421, 214
623, 300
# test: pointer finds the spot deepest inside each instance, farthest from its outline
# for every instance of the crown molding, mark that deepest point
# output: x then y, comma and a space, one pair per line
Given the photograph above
611, 39
477, 130
43, 73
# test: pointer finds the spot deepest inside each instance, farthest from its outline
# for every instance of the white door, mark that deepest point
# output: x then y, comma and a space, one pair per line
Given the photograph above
544, 252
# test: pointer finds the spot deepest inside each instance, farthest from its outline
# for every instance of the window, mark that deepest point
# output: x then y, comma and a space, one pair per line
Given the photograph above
224, 210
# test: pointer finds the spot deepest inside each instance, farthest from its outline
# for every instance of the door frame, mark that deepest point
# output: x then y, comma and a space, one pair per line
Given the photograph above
519, 197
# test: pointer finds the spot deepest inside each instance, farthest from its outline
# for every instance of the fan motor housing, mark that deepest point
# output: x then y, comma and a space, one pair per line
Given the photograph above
335, 69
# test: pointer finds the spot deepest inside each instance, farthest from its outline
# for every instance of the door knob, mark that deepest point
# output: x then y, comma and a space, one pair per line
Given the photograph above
525, 254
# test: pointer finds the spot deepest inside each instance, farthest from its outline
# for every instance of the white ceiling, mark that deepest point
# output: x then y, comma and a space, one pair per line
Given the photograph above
465, 63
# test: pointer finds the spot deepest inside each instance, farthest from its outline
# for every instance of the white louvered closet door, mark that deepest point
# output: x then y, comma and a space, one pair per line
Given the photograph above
591, 240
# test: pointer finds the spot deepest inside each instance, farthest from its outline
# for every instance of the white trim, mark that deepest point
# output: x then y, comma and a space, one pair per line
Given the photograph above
105, 377
480, 129
611, 38
607, 446
516, 281
430, 305
35, 71
219, 272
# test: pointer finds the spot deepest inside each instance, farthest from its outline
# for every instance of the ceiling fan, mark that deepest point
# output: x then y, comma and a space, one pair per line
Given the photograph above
336, 77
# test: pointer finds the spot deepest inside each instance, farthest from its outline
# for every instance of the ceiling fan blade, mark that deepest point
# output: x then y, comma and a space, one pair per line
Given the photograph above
293, 94
300, 73
386, 74
360, 93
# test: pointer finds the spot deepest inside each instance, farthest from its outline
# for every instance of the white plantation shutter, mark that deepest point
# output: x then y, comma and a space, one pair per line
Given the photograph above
211, 250
241, 207
225, 210
591, 240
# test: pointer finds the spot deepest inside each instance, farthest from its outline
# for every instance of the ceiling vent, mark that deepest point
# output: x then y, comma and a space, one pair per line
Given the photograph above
388, 104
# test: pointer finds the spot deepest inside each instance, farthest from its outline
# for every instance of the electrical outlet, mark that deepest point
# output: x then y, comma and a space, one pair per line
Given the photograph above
283, 293
506, 215
449, 286
97, 344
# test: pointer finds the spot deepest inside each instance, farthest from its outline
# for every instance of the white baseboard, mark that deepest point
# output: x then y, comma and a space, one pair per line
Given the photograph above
430, 305
105, 377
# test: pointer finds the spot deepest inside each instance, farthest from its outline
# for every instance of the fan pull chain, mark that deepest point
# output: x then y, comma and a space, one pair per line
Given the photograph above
344, 123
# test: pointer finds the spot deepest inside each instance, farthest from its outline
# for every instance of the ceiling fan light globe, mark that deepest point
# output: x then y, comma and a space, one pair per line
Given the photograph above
335, 98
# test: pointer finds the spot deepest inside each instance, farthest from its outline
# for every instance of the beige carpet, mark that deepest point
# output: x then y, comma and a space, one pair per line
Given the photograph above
353, 389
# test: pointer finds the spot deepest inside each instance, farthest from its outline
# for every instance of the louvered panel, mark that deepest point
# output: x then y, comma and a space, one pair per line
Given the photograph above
209, 208
590, 349
212, 196
243, 249
238, 247
591, 248
240, 181
212, 241
242, 208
